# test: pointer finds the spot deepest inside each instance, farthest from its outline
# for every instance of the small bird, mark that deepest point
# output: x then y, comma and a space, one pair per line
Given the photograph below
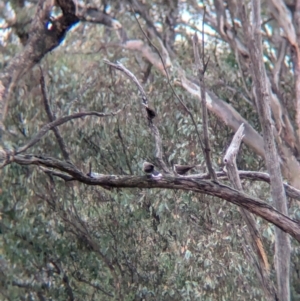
150, 112
150, 169
182, 169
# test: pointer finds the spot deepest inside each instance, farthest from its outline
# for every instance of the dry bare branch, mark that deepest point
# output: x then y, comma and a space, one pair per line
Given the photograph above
254, 237
58, 122
150, 114
120, 67
290, 191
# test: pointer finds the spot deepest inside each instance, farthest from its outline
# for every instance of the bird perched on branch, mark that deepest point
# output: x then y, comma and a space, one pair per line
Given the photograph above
150, 112
149, 168
182, 169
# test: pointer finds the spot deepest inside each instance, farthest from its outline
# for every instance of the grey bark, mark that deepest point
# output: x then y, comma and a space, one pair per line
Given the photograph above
262, 92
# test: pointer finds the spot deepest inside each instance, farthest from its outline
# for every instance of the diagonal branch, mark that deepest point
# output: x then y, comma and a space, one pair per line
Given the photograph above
255, 237
150, 114
164, 70
58, 122
124, 149
51, 118
201, 74
120, 67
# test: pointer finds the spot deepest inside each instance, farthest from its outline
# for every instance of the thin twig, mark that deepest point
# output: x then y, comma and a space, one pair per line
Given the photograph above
59, 174
169, 83
51, 118
150, 114
237, 57
201, 74
96, 286
124, 150
58, 122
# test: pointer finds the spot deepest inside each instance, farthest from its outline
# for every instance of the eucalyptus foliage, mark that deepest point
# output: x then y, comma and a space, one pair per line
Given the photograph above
69, 241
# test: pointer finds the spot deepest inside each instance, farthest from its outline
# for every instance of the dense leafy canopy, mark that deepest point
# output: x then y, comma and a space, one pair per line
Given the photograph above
64, 240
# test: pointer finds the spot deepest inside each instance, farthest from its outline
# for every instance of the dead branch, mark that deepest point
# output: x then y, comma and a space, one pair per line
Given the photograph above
120, 67
254, 237
230, 158
58, 122
290, 191
150, 114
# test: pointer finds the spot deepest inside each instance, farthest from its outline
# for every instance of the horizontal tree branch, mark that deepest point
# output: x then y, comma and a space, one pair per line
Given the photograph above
212, 188
290, 191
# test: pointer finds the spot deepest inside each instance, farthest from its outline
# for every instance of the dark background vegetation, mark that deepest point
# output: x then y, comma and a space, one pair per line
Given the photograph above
70, 241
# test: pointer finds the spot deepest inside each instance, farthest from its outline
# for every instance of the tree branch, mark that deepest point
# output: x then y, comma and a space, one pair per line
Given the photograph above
40, 42
163, 68
129, 74
51, 118
262, 93
150, 114
201, 73
255, 237
58, 122
212, 188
